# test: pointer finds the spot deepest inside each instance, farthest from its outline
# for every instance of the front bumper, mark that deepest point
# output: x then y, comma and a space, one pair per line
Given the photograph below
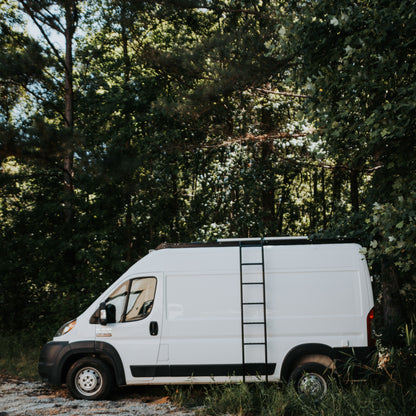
49, 361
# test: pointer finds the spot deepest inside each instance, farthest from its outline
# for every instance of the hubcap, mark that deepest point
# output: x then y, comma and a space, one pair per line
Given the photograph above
88, 381
313, 385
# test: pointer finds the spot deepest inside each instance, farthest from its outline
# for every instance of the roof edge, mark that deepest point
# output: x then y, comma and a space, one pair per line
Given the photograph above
272, 241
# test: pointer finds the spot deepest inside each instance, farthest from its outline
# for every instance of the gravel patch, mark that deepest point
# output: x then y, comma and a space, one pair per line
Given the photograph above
18, 398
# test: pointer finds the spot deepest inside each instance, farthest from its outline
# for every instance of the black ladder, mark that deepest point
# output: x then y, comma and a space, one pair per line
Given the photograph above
256, 304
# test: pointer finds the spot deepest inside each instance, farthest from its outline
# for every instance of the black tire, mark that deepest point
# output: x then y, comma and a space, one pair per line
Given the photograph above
311, 380
89, 378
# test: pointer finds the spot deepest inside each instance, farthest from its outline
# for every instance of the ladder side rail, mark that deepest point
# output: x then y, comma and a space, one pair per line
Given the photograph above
264, 311
242, 313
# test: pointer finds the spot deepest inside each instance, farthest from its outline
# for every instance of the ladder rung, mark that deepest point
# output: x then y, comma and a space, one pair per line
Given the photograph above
253, 303
252, 264
252, 283
254, 323
254, 343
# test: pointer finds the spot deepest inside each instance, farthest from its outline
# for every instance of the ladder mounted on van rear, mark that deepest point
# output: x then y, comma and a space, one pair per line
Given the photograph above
253, 307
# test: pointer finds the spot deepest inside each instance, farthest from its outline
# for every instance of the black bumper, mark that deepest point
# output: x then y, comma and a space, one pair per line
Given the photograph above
50, 357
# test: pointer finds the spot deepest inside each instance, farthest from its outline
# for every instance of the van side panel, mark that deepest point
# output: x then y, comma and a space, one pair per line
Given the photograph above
202, 319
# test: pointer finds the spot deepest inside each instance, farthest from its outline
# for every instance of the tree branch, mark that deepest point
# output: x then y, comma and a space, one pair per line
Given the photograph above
51, 21
279, 135
20, 152
35, 95
284, 93
318, 164
36, 20
207, 6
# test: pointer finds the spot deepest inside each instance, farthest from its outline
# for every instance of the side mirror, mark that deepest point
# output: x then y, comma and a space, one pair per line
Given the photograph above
103, 314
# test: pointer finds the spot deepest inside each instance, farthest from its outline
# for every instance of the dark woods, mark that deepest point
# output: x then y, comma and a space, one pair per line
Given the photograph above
125, 124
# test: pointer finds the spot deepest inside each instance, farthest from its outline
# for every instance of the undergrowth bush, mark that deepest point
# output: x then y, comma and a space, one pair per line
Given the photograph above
19, 355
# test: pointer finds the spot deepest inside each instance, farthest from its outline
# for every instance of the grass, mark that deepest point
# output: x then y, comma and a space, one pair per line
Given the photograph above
281, 400
19, 357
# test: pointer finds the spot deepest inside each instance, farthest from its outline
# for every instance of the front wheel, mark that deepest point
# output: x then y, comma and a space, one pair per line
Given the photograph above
89, 378
310, 380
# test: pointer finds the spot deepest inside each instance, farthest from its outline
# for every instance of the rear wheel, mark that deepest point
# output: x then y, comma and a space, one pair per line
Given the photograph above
89, 378
310, 380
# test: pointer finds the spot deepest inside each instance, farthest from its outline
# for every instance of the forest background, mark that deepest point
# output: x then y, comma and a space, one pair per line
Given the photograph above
125, 124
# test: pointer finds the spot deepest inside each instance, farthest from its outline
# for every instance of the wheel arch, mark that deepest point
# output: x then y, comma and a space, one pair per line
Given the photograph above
313, 352
101, 350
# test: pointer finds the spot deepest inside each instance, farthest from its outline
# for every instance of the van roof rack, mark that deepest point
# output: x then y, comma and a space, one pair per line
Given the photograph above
266, 241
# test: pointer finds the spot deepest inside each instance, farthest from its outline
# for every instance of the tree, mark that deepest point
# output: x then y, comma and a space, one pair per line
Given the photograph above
21, 66
61, 17
357, 63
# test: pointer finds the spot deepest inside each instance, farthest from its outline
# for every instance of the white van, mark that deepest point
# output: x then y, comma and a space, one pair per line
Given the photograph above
234, 310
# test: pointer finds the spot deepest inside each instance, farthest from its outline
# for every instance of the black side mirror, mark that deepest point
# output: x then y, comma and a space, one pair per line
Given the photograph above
103, 314
111, 313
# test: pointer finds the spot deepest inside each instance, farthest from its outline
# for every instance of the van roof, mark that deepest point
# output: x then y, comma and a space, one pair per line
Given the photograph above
256, 241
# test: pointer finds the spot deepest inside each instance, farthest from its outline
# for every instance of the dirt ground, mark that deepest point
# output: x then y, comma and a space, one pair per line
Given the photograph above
32, 398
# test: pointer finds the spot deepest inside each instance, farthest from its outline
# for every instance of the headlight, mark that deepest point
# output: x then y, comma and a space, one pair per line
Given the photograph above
64, 329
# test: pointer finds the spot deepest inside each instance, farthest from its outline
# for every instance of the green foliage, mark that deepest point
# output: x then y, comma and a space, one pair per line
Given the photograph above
393, 230
394, 233
398, 365
357, 65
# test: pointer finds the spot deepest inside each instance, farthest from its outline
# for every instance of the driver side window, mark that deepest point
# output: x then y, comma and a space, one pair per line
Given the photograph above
133, 300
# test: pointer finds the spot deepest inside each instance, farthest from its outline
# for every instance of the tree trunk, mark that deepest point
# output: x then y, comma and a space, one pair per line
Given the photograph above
70, 20
392, 309
336, 189
355, 202
315, 201
268, 194
127, 192
323, 185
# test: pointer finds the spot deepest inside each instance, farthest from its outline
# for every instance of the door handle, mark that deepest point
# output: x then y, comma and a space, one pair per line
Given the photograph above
153, 328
